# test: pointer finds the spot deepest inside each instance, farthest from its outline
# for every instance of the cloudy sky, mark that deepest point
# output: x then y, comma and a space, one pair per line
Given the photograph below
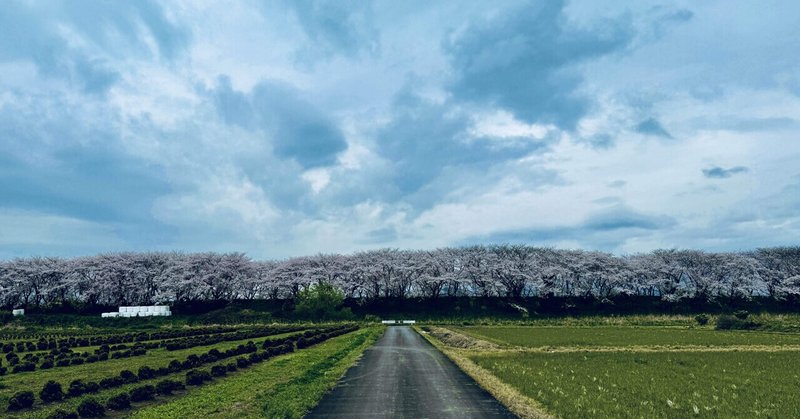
283, 128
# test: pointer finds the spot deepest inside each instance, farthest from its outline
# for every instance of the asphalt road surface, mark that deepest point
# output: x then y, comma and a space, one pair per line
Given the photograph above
404, 376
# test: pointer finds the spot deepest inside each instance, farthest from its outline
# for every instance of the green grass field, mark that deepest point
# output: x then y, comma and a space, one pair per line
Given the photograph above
621, 368
621, 336
655, 385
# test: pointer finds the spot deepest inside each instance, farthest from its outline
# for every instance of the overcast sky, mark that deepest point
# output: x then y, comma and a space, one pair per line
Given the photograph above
290, 128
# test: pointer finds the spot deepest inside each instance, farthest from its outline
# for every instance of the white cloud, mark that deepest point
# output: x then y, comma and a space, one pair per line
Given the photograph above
503, 125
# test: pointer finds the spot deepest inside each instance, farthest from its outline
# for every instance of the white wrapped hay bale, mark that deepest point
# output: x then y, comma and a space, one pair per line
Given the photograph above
18, 312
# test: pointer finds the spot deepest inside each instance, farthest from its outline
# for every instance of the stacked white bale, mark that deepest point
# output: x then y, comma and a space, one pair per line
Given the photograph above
143, 311
409, 321
18, 312
389, 321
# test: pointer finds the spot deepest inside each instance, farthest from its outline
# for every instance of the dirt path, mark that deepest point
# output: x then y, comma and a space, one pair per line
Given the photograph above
404, 376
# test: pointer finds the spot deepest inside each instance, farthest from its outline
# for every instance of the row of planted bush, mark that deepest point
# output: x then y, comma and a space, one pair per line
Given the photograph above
66, 357
44, 344
312, 339
191, 342
91, 408
52, 391
47, 335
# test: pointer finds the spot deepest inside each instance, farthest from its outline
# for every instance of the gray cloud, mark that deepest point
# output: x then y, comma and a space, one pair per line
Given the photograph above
298, 130
605, 229
651, 126
336, 27
717, 172
522, 61
37, 34
425, 141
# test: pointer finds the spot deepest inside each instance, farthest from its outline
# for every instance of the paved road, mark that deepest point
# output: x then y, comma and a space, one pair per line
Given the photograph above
404, 376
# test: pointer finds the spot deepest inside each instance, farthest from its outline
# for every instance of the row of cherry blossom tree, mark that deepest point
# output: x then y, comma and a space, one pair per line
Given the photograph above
482, 271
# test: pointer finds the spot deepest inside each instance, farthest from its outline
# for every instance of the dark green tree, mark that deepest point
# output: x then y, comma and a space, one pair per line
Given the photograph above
320, 302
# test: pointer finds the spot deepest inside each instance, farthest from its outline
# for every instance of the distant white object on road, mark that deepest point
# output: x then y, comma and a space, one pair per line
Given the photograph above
18, 312
409, 321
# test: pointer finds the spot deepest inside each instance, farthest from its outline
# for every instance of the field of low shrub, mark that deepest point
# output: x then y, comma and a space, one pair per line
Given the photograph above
175, 365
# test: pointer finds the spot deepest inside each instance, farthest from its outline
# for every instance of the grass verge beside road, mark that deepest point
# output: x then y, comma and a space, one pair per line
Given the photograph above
521, 405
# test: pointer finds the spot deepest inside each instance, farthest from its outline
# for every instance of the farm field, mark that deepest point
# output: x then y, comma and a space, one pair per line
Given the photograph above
619, 371
610, 336
286, 387
655, 384
157, 368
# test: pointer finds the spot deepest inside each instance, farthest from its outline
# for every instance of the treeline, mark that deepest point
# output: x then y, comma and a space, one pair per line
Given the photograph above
513, 271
